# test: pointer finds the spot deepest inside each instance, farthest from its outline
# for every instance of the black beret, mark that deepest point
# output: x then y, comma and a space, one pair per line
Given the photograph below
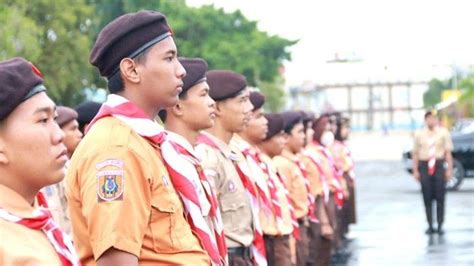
127, 36
65, 115
275, 125
307, 116
257, 99
86, 111
19, 80
290, 118
195, 72
224, 84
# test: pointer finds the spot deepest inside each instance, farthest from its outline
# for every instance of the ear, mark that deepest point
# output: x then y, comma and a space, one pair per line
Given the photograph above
218, 108
128, 69
3, 155
177, 110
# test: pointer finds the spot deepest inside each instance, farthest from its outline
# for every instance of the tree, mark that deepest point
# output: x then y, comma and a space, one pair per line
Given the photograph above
53, 34
435, 88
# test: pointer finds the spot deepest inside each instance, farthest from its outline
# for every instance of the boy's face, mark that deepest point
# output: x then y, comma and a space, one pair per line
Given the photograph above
198, 107
161, 74
296, 138
31, 144
257, 126
72, 135
234, 113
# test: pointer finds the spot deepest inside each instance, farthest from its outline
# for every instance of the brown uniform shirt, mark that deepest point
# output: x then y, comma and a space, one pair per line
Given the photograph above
20, 245
439, 135
294, 181
260, 179
286, 227
120, 195
313, 176
57, 203
218, 164
326, 166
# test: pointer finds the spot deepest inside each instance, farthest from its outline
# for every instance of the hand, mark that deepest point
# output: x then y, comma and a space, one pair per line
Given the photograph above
327, 231
416, 175
448, 174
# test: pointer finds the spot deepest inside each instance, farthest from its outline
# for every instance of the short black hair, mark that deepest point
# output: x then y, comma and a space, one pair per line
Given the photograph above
288, 128
429, 113
115, 82
162, 113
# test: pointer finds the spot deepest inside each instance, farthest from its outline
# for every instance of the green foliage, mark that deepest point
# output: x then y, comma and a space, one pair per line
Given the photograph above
433, 95
53, 34
467, 99
57, 35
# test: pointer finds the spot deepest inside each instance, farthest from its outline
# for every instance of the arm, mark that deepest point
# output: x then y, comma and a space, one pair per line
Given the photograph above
449, 168
117, 257
414, 157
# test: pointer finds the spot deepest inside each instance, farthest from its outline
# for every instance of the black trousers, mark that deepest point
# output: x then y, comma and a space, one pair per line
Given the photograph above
434, 189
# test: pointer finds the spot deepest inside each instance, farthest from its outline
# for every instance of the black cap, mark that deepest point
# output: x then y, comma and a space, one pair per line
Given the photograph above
224, 84
19, 80
65, 115
290, 119
87, 111
195, 72
275, 125
257, 99
127, 36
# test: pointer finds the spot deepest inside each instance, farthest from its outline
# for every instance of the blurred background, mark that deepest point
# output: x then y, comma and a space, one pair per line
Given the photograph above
382, 63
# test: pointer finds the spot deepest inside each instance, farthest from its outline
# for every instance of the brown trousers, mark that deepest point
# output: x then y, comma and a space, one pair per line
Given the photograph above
277, 249
240, 260
319, 247
302, 249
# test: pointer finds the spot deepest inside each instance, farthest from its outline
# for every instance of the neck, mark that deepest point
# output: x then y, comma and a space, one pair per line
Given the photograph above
248, 139
26, 192
289, 150
220, 132
179, 127
431, 127
150, 110
263, 149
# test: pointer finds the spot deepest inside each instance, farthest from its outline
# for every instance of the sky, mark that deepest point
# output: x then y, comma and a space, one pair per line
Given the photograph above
393, 39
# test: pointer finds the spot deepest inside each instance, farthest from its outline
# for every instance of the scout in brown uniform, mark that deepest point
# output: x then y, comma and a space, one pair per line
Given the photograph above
124, 208
193, 113
277, 243
345, 162
233, 109
432, 167
55, 194
288, 166
32, 156
317, 152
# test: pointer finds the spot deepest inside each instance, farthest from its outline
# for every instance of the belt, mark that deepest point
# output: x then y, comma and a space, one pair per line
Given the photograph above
239, 251
276, 236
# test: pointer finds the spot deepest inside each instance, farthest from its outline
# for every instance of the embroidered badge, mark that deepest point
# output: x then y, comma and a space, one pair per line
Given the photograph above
110, 162
231, 187
110, 185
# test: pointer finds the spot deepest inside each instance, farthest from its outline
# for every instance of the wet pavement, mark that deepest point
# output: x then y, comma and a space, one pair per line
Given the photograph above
391, 221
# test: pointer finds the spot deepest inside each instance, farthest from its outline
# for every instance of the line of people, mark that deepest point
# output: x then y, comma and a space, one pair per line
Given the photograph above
219, 182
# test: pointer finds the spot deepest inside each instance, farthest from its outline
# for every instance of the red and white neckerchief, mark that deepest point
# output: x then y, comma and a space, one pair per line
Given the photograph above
268, 202
127, 112
311, 198
339, 193
42, 220
258, 244
294, 220
186, 174
322, 176
431, 155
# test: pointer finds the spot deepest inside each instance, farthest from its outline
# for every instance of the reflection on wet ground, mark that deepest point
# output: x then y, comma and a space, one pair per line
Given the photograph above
391, 222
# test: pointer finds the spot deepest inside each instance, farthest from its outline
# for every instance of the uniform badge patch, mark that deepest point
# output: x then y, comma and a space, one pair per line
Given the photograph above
110, 185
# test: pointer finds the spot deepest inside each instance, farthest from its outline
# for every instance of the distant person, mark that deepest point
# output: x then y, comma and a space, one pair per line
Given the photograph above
433, 167
86, 112
55, 194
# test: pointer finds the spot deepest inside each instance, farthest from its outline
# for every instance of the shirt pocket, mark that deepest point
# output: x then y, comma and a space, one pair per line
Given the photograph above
232, 208
168, 226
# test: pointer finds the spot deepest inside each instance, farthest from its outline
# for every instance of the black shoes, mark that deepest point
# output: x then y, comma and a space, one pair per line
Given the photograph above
440, 231
430, 231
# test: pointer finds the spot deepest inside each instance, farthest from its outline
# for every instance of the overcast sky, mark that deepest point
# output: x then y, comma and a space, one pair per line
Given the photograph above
396, 39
